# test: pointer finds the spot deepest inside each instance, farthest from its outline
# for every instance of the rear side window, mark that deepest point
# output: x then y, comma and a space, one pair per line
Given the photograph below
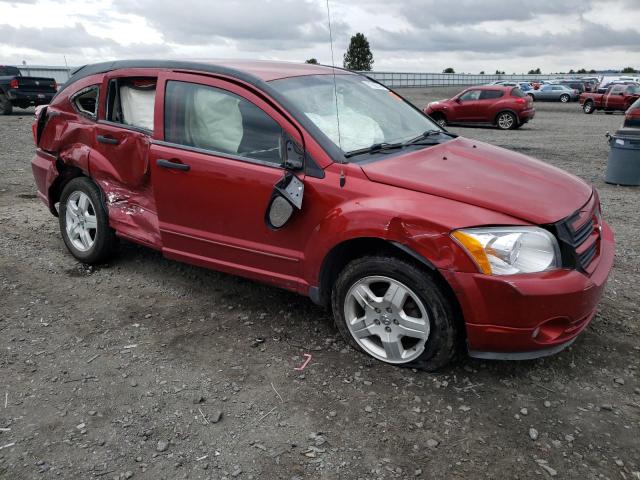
219, 121
491, 94
516, 92
86, 101
617, 89
130, 101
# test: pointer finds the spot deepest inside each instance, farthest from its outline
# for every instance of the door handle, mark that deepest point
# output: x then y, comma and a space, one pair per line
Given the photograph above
172, 164
107, 140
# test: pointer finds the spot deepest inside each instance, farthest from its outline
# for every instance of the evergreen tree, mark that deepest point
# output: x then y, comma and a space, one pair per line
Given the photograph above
358, 56
449, 70
311, 60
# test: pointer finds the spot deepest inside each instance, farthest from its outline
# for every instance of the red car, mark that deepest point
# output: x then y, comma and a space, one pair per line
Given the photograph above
632, 115
504, 107
618, 97
419, 240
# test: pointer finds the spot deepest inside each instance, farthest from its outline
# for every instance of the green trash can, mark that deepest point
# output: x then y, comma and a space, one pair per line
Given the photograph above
623, 165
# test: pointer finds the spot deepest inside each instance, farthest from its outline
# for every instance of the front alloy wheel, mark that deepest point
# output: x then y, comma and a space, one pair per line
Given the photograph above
387, 319
393, 310
564, 98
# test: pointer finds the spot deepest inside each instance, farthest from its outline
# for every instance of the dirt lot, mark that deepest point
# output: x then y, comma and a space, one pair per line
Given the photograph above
146, 368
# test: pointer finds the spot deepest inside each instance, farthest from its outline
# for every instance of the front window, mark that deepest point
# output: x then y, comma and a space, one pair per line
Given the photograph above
368, 113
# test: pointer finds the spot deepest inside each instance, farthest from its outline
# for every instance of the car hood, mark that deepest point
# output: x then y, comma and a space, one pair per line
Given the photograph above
486, 176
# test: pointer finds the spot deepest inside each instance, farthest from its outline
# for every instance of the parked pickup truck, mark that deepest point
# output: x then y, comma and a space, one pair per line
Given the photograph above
23, 92
616, 98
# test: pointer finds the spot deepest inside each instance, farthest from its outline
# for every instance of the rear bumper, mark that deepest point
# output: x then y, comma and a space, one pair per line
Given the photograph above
44, 174
526, 115
534, 315
22, 98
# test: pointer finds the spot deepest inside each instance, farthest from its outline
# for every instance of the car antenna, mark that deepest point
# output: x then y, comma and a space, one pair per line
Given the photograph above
335, 95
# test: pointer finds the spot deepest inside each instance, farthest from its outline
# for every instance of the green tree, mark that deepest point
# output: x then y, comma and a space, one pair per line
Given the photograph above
592, 71
311, 60
628, 70
358, 55
582, 70
448, 70
572, 71
498, 72
535, 71
481, 72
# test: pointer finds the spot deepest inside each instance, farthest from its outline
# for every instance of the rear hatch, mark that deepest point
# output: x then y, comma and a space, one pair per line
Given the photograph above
36, 84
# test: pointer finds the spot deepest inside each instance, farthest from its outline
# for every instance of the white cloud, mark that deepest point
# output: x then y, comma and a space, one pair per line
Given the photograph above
418, 35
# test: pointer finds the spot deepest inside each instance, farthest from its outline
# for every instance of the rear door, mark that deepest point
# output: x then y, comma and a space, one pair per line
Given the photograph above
487, 104
213, 174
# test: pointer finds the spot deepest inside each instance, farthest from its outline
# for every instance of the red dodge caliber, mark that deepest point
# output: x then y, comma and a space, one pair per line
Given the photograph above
326, 183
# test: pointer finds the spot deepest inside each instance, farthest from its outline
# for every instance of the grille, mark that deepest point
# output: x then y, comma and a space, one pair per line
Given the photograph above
579, 235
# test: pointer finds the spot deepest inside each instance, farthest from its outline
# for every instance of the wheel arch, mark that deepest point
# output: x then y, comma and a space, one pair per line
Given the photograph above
343, 253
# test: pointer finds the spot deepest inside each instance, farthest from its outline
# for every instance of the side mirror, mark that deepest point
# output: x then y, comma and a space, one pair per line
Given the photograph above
285, 199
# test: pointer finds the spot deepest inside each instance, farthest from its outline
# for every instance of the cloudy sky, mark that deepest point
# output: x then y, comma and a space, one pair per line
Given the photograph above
405, 35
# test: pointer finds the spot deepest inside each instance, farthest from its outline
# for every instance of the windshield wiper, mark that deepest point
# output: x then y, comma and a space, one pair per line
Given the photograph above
427, 134
379, 147
376, 147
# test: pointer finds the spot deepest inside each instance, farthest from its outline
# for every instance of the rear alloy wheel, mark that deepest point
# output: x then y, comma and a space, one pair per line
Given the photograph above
84, 223
506, 121
564, 98
5, 105
588, 107
394, 312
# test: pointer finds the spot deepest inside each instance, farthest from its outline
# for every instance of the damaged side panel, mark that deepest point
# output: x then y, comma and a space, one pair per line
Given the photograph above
68, 147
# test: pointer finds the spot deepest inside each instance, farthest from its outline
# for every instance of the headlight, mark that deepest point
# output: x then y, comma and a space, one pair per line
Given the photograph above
510, 250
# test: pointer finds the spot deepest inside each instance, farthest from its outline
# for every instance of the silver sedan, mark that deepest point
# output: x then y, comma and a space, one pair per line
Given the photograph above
554, 93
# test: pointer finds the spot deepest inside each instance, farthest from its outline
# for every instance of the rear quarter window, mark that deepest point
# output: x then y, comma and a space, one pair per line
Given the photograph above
85, 101
9, 72
516, 92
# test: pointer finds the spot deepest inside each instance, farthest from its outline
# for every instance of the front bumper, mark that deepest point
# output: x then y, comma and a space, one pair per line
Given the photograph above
533, 315
22, 98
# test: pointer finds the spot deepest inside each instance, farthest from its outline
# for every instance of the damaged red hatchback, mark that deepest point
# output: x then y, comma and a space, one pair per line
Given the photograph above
326, 183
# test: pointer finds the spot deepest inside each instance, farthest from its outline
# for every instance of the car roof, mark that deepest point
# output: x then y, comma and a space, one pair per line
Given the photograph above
491, 87
253, 71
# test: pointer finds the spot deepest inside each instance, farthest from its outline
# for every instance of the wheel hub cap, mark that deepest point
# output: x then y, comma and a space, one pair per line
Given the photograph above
81, 223
387, 319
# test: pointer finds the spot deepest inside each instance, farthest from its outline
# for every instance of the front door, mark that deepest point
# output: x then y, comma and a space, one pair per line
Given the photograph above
213, 175
467, 109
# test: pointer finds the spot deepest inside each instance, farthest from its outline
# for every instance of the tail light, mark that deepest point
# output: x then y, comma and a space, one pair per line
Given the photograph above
521, 101
13, 83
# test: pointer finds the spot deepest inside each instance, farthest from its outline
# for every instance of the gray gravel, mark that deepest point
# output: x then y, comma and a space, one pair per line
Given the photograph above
147, 368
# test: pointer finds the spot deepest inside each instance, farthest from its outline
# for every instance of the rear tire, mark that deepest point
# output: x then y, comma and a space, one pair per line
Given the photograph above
84, 223
533, 98
506, 121
5, 105
564, 98
394, 311
588, 107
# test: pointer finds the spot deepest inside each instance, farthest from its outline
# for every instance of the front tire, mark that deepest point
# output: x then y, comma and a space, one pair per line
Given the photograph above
84, 222
393, 311
588, 108
5, 105
564, 98
440, 120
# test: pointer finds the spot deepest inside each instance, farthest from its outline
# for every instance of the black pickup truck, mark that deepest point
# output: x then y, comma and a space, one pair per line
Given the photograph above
23, 92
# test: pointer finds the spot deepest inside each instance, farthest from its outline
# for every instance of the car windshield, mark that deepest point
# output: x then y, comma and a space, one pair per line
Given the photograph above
368, 113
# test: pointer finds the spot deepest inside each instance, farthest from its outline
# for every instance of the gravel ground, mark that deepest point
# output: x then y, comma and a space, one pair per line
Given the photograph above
147, 368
